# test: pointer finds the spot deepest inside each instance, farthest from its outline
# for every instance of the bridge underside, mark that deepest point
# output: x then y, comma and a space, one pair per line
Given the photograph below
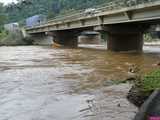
66, 38
119, 37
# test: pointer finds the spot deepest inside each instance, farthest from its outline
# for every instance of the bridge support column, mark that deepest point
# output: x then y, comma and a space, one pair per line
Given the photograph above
125, 42
66, 38
124, 38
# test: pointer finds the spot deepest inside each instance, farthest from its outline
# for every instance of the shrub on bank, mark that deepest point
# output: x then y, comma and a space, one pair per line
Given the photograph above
151, 81
3, 34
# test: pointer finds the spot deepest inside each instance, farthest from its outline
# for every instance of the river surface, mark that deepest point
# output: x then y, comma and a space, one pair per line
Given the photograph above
44, 83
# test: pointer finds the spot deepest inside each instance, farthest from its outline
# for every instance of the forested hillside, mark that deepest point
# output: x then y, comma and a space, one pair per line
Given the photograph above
51, 8
3, 15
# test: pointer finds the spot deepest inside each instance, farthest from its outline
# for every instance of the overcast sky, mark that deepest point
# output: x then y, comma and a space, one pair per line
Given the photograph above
7, 1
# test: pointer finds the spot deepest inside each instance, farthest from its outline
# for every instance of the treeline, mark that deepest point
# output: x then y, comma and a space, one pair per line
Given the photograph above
3, 16
50, 8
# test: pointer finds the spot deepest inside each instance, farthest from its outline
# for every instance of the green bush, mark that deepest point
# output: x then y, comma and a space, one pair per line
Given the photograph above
147, 37
3, 34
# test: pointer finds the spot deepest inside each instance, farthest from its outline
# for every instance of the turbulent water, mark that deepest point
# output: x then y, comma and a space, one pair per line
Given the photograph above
42, 83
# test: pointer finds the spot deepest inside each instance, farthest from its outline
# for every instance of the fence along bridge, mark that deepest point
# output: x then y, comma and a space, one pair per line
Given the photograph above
122, 22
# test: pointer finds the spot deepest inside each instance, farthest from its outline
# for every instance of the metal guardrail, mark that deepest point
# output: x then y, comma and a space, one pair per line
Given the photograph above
116, 4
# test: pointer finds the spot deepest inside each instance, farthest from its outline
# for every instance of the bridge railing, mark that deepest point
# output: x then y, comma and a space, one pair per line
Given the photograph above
115, 5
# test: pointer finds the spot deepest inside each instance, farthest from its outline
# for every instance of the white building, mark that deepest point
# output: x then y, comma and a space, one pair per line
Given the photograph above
11, 27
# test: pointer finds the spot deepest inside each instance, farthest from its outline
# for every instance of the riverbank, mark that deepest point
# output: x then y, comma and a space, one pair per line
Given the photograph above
143, 87
12, 38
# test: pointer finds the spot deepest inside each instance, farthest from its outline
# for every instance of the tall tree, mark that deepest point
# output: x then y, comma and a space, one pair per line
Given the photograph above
3, 16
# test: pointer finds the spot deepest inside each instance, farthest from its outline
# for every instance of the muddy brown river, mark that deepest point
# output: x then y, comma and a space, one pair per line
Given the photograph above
43, 83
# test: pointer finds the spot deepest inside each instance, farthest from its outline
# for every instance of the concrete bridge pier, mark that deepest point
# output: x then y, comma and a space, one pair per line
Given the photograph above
124, 37
125, 42
66, 38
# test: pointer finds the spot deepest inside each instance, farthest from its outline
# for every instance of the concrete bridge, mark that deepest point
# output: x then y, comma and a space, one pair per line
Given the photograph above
122, 25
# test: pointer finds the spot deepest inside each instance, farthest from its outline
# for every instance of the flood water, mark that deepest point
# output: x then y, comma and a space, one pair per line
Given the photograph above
44, 83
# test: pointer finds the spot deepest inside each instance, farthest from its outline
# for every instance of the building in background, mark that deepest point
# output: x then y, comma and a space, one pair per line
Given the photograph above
11, 27
35, 20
